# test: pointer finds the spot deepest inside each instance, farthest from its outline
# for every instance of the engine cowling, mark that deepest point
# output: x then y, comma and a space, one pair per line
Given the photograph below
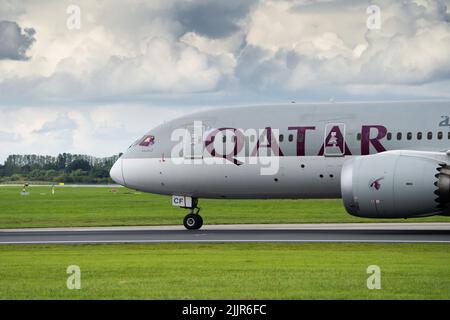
396, 185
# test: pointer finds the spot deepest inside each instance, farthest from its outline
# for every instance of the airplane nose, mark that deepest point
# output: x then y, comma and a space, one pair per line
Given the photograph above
116, 172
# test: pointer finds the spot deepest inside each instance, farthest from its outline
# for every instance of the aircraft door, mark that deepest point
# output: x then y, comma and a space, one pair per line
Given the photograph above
193, 141
334, 140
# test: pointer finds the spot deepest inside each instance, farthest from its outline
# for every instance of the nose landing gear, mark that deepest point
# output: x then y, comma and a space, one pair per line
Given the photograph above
193, 221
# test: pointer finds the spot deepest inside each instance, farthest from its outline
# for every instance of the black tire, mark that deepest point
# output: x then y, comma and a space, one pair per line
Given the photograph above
193, 221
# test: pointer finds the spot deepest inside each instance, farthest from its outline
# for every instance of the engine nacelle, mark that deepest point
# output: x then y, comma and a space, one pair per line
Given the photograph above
395, 185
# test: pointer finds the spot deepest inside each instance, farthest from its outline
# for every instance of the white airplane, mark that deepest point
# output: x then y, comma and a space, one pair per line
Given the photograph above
385, 160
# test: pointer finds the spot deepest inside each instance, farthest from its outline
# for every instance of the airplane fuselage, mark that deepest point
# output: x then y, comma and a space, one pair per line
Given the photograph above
279, 151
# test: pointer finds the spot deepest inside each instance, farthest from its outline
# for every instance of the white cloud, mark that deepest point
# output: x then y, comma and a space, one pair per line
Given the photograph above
335, 48
419, 54
140, 49
162, 67
100, 130
121, 49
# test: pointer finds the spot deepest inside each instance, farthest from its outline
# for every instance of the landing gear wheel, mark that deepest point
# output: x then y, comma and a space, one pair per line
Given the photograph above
193, 221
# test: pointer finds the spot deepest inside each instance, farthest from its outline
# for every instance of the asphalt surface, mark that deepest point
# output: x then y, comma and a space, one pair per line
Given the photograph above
361, 232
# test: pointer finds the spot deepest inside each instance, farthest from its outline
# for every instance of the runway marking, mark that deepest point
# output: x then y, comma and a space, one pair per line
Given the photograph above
221, 241
422, 226
379, 233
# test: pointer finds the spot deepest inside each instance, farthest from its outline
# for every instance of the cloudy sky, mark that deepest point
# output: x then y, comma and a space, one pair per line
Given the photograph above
93, 85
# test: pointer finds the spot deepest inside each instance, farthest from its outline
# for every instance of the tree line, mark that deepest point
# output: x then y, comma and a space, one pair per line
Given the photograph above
65, 167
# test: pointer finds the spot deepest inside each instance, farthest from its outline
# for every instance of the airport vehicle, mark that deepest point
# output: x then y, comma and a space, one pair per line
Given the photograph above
384, 159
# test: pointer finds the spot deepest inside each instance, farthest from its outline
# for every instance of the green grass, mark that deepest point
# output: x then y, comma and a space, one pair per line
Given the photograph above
101, 207
225, 271
204, 271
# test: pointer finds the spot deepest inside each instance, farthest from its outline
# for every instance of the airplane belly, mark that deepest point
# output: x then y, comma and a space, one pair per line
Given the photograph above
296, 178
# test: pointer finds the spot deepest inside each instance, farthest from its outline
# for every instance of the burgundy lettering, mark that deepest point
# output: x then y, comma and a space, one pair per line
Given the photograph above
301, 138
366, 141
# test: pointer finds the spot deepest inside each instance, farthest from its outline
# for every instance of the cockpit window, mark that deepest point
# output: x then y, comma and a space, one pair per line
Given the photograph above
147, 141
135, 143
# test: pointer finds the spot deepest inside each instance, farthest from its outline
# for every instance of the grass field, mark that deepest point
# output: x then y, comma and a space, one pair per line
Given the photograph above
204, 271
226, 271
86, 206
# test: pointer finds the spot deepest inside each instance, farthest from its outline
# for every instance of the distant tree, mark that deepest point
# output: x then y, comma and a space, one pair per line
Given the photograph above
25, 169
16, 177
67, 179
51, 173
78, 173
65, 167
35, 173
100, 173
80, 164
60, 162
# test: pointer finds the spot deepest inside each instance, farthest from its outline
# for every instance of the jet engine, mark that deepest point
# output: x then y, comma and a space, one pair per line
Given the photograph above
396, 184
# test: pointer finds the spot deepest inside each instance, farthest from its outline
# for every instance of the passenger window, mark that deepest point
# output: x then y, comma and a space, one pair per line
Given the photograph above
440, 135
358, 137
224, 139
409, 136
281, 138
419, 135
399, 136
449, 135
389, 136
430, 135
291, 137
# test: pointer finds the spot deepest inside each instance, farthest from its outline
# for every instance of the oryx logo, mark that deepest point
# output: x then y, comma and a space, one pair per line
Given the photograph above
445, 122
375, 184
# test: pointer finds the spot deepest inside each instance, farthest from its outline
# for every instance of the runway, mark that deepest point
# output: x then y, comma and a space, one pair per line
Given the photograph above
299, 233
